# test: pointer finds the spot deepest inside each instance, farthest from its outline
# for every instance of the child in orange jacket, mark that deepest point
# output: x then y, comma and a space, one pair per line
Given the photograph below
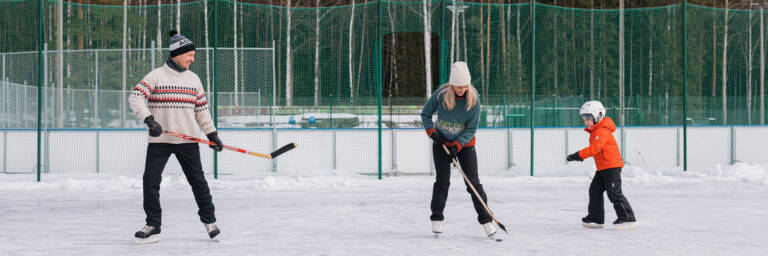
605, 151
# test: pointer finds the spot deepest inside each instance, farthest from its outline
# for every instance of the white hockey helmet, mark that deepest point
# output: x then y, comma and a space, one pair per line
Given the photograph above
593, 108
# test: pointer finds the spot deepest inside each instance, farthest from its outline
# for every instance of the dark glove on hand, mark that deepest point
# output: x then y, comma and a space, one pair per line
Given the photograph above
155, 129
214, 137
574, 157
438, 138
453, 149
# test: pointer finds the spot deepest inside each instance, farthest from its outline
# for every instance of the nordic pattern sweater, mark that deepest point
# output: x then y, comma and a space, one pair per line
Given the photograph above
458, 125
176, 100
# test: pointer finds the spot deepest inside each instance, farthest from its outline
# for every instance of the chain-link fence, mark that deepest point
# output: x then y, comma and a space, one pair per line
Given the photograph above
359, 72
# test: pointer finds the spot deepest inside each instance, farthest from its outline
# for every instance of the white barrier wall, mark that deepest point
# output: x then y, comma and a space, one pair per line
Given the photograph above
404, 151
3, 156
710, 146
233, 163
653, 147
20, 152
73, 152
413, 151
757, 139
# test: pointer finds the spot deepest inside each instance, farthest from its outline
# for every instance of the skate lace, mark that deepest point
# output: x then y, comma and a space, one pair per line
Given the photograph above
146, 229
210, 227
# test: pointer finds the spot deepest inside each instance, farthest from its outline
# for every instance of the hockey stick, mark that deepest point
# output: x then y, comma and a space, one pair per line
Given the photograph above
272, 155
469, 183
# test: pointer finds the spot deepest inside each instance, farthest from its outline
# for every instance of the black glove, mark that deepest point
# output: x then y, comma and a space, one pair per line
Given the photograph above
438, 138
214, 137
155, 130
453, 150
574, 157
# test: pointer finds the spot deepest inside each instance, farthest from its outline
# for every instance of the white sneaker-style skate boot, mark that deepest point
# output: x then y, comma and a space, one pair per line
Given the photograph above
490, 231
437, 226
213, 231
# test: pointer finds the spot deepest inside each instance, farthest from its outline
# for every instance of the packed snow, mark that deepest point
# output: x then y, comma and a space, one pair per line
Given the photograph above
716, 211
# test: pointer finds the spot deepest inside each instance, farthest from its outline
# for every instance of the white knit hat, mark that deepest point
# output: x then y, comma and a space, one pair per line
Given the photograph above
459, 74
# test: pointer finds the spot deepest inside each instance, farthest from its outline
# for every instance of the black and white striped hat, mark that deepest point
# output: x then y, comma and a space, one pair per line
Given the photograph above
179, 44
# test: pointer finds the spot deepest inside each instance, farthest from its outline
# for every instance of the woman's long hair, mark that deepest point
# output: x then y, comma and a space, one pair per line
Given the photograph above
449, 97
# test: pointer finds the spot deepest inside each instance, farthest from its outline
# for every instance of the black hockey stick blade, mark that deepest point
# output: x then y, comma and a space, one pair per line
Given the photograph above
282, 150
502, 227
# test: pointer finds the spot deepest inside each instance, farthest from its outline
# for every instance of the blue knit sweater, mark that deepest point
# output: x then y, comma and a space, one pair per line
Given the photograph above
457, 124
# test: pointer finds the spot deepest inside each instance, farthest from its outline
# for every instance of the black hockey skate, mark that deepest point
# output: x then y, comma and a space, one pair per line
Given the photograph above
624, 224
590, 224
147, 235
213, 231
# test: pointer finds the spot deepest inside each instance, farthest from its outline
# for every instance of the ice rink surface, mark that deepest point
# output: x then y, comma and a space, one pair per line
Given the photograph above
702, 212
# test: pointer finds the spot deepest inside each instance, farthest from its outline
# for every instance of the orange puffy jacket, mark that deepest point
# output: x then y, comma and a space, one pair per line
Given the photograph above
602, 145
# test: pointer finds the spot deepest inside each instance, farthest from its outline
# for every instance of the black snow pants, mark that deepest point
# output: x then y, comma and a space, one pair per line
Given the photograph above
608, 180
468, 161
188, 155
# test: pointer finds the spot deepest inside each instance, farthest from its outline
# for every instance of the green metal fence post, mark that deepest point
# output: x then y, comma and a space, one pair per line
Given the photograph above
378, 78
554, 102
330, 113
443, 58
40, 78
272, 108
685, 89
333, 131
504, 111
532, 92
215, 84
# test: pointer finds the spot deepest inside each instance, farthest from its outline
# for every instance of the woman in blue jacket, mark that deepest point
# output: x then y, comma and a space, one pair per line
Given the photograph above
458, 114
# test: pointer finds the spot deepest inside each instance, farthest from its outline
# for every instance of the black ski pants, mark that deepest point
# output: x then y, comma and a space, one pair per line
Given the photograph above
188, 155
468, 161
608, 180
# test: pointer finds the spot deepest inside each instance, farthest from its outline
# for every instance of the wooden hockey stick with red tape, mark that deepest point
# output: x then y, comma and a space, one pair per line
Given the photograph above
477, 195
272, 155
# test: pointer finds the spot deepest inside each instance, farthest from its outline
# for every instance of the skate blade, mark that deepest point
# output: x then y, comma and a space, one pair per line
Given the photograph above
625, 226
495, 238
216, 239
149, 240
591, 225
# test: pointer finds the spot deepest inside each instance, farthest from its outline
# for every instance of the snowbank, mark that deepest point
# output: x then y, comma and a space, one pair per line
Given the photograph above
739, 172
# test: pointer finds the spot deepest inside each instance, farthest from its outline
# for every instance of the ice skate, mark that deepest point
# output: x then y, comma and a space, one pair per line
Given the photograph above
624, 225
437, 226
490, 231
213, 231
147, 235
590, 224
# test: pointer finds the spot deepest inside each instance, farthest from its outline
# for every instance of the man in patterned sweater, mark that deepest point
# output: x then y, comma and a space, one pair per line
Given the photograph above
176, 102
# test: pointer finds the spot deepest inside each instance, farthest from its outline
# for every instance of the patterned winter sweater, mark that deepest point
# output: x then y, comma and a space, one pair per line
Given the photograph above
176, 100
458, 125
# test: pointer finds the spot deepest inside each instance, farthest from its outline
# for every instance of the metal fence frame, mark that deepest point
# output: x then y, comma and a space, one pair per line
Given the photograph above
42, 52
